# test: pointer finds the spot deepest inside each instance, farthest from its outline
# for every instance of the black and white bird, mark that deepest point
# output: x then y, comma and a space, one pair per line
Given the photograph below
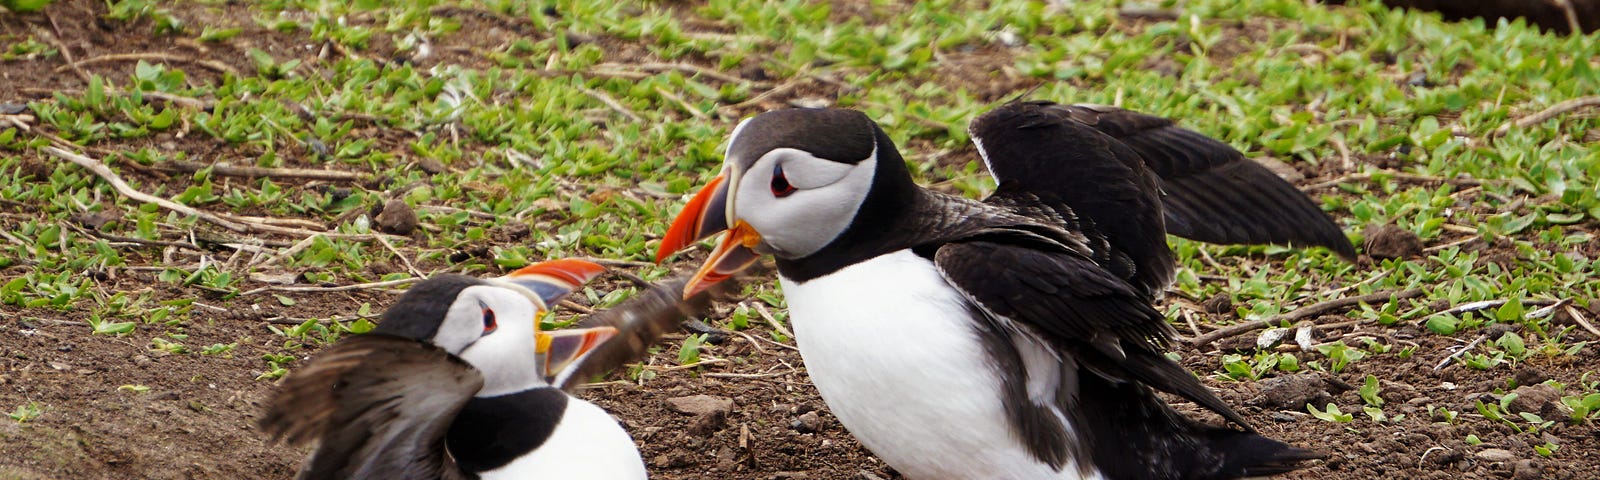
456, 382
1007, 339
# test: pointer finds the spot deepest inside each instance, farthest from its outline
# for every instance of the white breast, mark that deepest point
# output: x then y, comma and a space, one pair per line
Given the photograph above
587, 444
895, 355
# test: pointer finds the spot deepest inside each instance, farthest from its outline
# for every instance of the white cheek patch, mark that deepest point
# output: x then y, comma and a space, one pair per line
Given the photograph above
507, 356
463, 323
803, 222
805, 171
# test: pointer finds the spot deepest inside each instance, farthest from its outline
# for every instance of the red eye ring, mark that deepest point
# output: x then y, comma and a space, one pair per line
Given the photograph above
489, 324
780, 183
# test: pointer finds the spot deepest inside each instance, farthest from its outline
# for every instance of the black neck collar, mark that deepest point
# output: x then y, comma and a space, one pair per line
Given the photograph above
490, 432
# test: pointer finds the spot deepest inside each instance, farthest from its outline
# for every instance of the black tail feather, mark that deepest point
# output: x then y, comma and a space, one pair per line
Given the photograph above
1134, 434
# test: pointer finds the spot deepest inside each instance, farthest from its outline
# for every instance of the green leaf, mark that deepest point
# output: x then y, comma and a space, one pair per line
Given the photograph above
25, 6
216, 35
1369, 392
689, 353
1512, 344
1443, 324
1331, 414
1512, 311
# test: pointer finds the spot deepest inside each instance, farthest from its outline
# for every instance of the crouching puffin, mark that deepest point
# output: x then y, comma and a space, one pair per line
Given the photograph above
456, 382
1007, 339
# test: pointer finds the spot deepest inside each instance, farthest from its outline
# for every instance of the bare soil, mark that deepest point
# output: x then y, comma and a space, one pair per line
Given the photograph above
197, 418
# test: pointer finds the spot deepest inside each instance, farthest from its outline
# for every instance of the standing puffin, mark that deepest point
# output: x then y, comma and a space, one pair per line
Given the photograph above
456, 382
1007, 339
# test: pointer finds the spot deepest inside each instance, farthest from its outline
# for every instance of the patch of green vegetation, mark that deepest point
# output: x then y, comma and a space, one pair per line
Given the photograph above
1330, 414
26, 412
590, 147
27, 49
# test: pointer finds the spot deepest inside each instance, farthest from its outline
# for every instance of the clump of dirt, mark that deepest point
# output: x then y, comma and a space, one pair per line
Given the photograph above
1387, 242
396, 217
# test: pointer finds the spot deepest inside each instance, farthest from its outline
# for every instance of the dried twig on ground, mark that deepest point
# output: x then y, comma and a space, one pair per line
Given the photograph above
1577, 316
99, 168
761, 308
681, 67
1548, 113
337, 288
1458, 353
258, 172
613, 103
158, 57
1412, 177
1306, 312
237, 224
687, 108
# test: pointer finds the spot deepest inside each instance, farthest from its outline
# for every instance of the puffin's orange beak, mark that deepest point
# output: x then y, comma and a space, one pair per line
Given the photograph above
704, 216
562, 348
553, 279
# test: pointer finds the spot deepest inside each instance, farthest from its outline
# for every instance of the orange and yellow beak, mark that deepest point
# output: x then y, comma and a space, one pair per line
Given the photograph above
552, 280
706, 215
559, 349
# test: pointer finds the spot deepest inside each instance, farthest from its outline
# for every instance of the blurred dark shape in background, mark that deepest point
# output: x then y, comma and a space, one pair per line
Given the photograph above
1561, 16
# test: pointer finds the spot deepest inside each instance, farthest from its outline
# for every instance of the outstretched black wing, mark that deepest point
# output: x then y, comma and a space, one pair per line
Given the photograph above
1044, 158
1212, 193
378, 405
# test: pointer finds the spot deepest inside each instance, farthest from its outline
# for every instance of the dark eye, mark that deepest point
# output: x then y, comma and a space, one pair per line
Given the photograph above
780, 183
488, 321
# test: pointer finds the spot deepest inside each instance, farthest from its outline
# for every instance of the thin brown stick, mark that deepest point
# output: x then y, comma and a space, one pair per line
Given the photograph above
1548, 113
761, 308
258, 172
339, 288
1572, 16
1577, 316
99, 168
1412, 177
409, 267
744, 375
225, 221
1302, 313
580, 308
448, 209
66, 54
180, 100
140, 241
1458, 353
702, 363
687, 108
681, 67
763, 96
159, 57
613, 103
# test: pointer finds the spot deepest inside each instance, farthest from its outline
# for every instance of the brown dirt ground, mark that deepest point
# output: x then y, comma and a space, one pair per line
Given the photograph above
197, 419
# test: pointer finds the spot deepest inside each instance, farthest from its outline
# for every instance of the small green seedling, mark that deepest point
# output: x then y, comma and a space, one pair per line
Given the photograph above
26, 412
1330, 414
1369, 392
689, 353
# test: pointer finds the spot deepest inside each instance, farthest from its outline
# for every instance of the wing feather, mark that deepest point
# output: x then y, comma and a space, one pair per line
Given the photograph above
378, 406
1079, 307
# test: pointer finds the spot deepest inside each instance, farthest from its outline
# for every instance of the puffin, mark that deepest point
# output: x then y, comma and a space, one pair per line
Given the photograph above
1010, 338
458, 382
